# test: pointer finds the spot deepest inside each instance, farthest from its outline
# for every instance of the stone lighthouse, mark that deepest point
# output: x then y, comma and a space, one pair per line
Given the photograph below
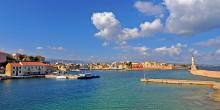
193, 66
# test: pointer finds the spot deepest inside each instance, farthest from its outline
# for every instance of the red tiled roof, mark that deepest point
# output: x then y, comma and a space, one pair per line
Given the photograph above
28, 64
33, 64
14, 64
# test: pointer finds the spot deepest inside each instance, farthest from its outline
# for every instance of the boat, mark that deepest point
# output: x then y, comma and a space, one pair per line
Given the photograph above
87, 76
75, 70
61, 77
55, 72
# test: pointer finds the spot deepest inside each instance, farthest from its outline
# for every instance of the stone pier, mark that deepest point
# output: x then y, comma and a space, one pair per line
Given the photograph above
212, 84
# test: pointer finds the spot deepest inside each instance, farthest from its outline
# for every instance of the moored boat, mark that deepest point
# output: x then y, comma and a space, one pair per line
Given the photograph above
87, 76
75, 70
61, 77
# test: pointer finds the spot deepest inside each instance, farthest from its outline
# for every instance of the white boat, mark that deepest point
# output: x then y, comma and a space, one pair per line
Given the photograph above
75, 70
61, 77
55, 72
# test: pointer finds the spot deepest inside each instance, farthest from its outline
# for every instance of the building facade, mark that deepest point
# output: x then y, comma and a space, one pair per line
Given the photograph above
26, 68
137, 66
2, 57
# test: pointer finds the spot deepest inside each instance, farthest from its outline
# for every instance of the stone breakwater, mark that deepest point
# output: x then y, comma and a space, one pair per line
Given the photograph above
206, 73
212, 84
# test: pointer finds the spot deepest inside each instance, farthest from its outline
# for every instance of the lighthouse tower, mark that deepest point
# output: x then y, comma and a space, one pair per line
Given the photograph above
193, 66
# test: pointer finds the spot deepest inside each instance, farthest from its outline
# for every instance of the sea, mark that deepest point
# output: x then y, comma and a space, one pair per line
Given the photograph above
114, 90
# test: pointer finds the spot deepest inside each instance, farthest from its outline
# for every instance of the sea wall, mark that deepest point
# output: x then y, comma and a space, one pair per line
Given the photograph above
212, 74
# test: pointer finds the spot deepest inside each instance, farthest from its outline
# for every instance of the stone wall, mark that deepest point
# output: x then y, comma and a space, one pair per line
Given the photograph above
212, 74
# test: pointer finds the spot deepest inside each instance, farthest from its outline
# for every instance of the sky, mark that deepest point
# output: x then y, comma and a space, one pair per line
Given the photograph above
113, 30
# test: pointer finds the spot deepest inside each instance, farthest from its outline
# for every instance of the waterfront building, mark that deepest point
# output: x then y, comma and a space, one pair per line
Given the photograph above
121, 65
137, 66
149, 64
2, 70
16, 56
3, 57
98, 66
160, 66
26, 68
62, 68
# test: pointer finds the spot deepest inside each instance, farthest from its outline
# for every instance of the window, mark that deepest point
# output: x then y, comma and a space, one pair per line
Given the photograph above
19, 71
13, 67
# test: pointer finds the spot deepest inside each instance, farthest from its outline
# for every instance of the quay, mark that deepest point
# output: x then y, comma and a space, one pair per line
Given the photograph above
68, 76
214, 85
27, 77
175, 81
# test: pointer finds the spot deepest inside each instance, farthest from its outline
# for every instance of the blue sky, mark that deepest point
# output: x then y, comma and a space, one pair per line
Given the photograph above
163, 30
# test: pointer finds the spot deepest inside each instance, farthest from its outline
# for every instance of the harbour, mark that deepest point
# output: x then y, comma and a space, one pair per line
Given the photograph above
102, 55
118, 90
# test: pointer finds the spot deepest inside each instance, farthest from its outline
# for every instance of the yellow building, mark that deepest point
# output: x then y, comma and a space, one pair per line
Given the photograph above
149, 64
26, 68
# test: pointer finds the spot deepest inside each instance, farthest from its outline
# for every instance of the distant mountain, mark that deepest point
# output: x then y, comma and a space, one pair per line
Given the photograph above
53, 61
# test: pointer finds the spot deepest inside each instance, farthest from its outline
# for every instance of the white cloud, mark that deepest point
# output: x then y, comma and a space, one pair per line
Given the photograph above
190, 17
210, 42
193, 51
59, 48
148, 28
21, 51
141, 49
104, 44
123, 43
174, 50
129, 34
39, 48
148, 8
110, 28
218, 52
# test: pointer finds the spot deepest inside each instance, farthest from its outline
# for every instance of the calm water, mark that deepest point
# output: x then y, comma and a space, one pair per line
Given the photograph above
115, 90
